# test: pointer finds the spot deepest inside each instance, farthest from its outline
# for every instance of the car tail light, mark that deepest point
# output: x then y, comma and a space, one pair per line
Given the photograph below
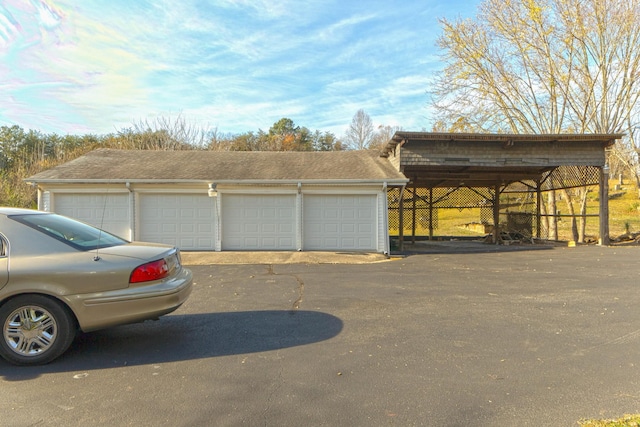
154, 270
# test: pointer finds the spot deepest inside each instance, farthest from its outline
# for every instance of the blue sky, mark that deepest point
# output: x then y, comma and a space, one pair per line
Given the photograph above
97, 66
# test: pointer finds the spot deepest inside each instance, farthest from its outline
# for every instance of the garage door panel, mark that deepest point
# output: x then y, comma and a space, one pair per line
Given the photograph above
268, 213
363, 228
107, 211
314, 228
348, 228
187, 214
258, 222
340, 222
287, 228
169, 228
329, 241
269, 228
183, 220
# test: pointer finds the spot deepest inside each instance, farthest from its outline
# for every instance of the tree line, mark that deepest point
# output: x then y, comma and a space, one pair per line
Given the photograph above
26, 152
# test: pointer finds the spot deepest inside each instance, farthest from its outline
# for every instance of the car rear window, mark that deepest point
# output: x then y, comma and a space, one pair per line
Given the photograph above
74, 233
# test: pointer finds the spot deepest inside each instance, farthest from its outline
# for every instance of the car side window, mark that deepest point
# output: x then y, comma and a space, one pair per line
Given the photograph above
2, 247
76, 234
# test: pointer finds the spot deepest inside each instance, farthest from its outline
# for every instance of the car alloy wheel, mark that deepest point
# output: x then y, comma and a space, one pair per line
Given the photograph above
36, 329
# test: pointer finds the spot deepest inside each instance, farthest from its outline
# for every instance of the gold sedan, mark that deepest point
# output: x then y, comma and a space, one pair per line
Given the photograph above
59, 276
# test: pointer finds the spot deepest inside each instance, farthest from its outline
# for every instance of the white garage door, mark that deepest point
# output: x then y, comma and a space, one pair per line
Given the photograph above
258, 222
340, 222
111, 214
182, 220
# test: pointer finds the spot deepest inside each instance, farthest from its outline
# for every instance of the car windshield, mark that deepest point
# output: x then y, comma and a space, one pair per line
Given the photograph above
77, 234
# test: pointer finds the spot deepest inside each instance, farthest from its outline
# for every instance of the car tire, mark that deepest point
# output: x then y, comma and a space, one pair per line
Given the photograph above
36, 329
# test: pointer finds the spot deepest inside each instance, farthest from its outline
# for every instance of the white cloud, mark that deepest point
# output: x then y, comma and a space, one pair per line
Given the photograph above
334, 31
406, 86
240, 65
340, 86
8, 29
264, 8
48, 16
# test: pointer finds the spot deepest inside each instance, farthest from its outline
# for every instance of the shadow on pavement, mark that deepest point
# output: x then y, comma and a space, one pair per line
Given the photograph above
186, 337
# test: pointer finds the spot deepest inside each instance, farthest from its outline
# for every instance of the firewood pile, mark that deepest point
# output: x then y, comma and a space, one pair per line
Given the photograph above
627, 238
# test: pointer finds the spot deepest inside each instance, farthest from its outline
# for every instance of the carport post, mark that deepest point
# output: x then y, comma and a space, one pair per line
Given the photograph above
538, 205
430, 213
401, 221
604, 206
496, 214
413, 219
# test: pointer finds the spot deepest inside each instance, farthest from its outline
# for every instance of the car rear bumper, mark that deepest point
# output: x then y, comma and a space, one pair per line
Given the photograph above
133, 304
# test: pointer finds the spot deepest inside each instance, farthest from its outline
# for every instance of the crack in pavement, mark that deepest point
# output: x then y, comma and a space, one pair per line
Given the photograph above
296, 304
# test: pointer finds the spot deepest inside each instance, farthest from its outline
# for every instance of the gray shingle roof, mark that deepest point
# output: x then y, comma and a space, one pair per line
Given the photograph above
109, 165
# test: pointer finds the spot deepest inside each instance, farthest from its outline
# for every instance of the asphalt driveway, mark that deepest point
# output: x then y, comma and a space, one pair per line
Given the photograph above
516, 337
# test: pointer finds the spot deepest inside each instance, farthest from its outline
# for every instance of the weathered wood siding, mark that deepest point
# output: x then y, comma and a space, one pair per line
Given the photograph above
496, 154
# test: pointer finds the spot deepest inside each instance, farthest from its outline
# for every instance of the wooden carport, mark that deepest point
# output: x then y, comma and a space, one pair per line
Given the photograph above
498, 162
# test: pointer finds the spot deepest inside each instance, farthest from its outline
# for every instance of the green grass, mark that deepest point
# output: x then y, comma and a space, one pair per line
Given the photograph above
624, 211
626, 421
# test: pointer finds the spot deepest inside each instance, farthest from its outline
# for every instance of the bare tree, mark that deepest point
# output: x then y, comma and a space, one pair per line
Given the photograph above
165, 133
626, 156
360, 131
382, 135
543, 66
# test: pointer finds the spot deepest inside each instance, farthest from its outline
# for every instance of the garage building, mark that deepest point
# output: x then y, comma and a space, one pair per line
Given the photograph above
214, 200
